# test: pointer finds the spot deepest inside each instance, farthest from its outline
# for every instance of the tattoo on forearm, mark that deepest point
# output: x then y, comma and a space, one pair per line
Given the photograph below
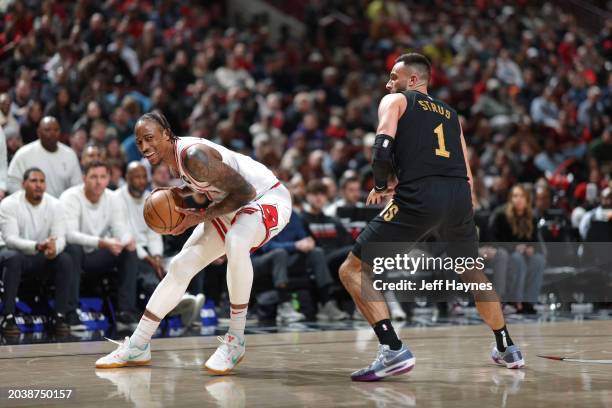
208, 166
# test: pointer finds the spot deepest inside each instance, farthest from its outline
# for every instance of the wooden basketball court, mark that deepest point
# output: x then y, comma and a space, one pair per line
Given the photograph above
312, 370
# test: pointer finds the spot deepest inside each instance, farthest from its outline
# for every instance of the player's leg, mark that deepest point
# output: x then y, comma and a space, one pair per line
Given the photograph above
248, 231
459, 231
393, 357
393, 225
252, 226
203, 246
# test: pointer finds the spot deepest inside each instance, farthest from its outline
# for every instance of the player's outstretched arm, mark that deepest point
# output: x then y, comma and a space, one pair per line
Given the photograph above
206, 164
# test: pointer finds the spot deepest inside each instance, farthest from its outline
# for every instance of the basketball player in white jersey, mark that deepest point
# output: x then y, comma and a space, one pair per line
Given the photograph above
248, 207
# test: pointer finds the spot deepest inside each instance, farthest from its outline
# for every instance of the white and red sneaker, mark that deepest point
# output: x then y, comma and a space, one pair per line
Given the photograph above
228, 354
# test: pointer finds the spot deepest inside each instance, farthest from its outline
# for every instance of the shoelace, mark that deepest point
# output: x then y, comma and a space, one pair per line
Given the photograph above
380, 356
227, 344
120, 343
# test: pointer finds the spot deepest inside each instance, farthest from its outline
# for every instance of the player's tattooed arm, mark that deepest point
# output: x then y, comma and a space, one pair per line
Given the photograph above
206, 164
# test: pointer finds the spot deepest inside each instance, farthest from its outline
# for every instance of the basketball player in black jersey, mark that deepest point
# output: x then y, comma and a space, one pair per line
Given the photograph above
420, 143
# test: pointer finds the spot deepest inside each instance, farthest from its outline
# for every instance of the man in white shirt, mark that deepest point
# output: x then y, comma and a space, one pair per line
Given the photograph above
98, 237
58, 161
149, 244
33, 225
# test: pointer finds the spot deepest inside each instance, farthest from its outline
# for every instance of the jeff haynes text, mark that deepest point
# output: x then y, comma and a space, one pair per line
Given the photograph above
436, 285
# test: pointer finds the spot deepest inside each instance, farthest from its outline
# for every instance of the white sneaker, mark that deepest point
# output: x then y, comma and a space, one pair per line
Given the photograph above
125, 355
286, 314
227, 356
330, 311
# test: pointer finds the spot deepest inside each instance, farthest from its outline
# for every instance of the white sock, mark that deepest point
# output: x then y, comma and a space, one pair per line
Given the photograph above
237, 321
143, 333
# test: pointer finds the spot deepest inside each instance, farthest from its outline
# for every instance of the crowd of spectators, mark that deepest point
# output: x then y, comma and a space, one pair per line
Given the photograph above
533, 88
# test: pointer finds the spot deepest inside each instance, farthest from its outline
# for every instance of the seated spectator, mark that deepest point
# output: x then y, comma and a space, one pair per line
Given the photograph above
29, 127
603, 212
276, 262
7, 119
99, 240
33, 225
514, 223
13, 143
59, 162
304, 255
160, 176
309, 128
61, 108
92, 112
78, 140
149, 244
601, 148
350, 190
544, 110
328, 232
116, 178
543, 200
92, 152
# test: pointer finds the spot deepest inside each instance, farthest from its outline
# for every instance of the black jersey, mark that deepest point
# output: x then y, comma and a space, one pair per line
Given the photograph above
427, 142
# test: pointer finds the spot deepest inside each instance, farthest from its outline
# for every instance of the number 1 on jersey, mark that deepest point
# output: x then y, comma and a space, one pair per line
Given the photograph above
441, 150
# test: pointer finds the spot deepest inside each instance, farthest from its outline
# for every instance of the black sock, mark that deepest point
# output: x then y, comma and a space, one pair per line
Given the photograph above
386, 335
501, 335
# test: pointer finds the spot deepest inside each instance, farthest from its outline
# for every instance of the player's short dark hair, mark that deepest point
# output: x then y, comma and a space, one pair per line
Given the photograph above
94, 164
31, 170
159, 118
416, 60
316, 187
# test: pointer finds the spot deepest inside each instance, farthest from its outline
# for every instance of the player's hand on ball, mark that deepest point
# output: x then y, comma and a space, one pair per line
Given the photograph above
377, 198
183, 191
193, 216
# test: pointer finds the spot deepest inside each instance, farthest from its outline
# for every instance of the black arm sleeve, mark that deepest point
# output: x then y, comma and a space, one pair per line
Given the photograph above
382, 161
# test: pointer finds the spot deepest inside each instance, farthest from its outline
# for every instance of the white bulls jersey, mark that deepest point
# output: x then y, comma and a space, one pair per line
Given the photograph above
258, 175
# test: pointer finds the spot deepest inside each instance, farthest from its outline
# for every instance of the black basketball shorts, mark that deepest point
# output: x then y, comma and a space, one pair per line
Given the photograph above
433, 206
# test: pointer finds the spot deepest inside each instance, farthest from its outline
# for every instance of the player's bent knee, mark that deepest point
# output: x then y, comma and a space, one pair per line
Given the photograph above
178, 268
235, 244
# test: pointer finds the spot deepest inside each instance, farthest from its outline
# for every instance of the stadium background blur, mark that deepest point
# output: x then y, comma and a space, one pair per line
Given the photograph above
531, 80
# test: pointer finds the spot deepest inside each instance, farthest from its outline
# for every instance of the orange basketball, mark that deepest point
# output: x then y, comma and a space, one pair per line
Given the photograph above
159, 212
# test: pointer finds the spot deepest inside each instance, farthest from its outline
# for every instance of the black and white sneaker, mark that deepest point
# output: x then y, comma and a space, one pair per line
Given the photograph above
60, 326
74, 321
9, 327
